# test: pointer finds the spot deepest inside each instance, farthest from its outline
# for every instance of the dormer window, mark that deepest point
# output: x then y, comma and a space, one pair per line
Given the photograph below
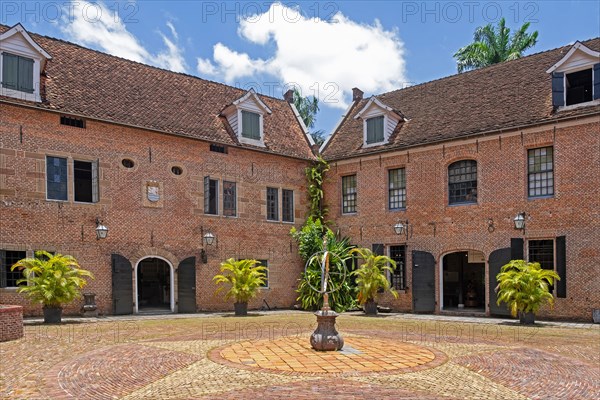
17, 73
246, 118
22, 61
251, 125
375, 132
379, 122
579, 87
576, 77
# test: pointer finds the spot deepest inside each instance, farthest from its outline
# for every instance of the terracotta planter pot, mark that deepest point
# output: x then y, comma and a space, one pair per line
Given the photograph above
241, 309
52, 315
370, 307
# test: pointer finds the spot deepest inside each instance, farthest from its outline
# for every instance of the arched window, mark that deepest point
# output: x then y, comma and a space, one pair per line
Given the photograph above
462, 182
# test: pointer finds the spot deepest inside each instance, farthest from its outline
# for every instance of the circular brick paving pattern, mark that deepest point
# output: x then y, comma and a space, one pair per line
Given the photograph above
359, 355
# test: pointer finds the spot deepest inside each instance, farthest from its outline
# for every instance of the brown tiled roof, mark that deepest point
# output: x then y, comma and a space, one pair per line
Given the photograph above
505, 95
96, 85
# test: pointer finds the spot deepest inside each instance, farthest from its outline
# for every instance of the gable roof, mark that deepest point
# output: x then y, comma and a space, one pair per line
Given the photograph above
18, 28
503, 96
88, 83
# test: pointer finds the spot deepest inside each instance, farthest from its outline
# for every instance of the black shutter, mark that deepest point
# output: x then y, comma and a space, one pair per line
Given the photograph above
3, 269
122, 285
498, 258
597, 81
423, 281
558, 89
561, 266
206, 195
186, 281
516, 249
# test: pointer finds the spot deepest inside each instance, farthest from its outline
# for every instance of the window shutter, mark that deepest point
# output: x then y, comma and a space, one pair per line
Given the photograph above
3, 269
597, 81
558, 89
95, 181
378, 249
516, 249
379, 121
561, 266
25, 75
370, 131
206, 194
10, 66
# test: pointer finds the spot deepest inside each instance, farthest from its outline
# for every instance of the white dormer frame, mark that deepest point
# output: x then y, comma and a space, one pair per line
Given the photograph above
571, 63
23, 47
391, 118
249, 102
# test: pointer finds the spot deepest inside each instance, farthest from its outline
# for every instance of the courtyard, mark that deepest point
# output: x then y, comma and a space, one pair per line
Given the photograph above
400, 356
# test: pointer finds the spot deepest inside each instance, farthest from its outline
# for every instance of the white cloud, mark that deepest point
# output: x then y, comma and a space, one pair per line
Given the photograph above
333, 56
95, 25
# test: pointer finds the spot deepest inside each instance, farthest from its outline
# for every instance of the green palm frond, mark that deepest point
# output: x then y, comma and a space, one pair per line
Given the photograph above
51, 279
244, 278
371, 276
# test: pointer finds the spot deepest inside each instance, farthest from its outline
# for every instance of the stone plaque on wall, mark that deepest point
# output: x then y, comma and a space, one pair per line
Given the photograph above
152, 194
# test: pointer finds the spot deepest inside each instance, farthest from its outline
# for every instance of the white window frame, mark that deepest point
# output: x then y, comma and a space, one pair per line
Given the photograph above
385, 124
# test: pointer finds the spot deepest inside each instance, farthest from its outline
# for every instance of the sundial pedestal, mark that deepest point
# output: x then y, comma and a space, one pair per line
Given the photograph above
326, 337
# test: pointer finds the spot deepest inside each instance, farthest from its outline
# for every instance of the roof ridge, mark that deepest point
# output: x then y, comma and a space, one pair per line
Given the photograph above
487, 68
242, 91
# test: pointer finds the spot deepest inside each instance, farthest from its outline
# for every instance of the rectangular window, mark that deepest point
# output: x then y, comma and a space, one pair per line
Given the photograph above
229, 199
287, 205
72, 121
82, 176
265, 263
17, 73
397, 278
8, 258
273, 204
375, 130
397, 189
542, 251
540, 172
250, 125
349, 194
56, 178
579, 87
211, 196
217, 148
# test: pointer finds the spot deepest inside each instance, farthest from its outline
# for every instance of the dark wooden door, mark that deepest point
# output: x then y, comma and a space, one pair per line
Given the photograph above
497, 259
186, 281
423, 281
122, 285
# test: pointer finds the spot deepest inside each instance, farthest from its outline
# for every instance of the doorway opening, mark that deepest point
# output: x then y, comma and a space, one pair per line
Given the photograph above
463, 281
154, 285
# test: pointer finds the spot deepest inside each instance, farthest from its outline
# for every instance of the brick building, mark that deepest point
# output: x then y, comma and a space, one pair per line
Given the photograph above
159, 158
451, 163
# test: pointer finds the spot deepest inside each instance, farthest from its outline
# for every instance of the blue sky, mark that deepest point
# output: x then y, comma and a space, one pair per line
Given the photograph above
325, 48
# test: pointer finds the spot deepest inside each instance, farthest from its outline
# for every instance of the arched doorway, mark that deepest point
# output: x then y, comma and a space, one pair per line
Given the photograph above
154, 285
463, 281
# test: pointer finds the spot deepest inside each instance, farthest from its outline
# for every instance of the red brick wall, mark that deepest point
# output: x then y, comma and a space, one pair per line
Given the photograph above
170, 230
11, 323
502, 192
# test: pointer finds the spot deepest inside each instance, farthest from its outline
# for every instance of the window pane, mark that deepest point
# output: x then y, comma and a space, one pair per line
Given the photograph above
82, 175
229, 199
273, 204
542, 251
397, 278
287, 205
375, 130
462, 182
349, 194
10, 278
397, 189
540, 165
56, 178
579, 87
250, 125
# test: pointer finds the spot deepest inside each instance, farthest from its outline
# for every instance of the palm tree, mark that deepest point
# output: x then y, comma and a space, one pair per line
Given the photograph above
308, 107
245, 277
491, 46
371, 276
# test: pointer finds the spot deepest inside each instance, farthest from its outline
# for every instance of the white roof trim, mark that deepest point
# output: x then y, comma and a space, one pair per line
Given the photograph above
337, 126
252, 93
576, 46
304, 128
18, 28
372, 100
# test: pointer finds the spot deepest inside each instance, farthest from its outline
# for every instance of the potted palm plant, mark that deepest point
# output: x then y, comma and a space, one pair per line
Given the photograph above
523, 286
244, 277
52, 280
371, 277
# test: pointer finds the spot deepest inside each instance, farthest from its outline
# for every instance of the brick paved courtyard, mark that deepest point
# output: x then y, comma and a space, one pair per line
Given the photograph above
268, 355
